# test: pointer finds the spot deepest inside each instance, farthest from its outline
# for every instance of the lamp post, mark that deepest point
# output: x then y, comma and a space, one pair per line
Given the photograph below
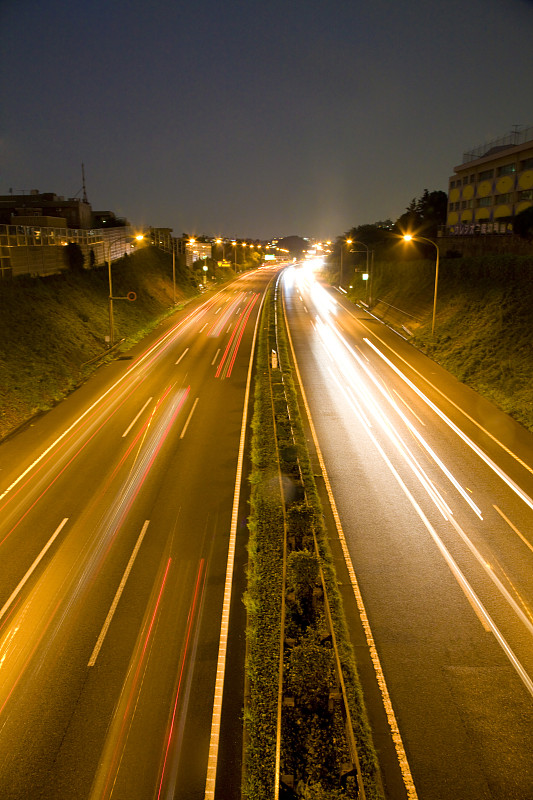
111, 322
408, 237
131, 296
369, 271
221, 242
348, 241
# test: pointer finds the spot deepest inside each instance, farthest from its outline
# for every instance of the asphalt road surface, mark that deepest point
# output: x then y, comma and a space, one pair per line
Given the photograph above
116, 517
433, 486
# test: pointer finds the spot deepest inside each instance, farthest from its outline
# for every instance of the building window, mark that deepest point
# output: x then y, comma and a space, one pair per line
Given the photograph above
484, 201
527, 163
486, 175
506, 169
504, 198
465, 180
525, 194
472, 178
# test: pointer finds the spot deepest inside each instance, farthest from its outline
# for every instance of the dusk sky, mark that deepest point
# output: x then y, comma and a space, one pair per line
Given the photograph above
250, 119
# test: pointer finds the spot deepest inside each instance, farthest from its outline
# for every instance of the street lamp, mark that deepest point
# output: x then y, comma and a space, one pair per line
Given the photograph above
348, 241
221, 242
130, 296
369, 272
408, 237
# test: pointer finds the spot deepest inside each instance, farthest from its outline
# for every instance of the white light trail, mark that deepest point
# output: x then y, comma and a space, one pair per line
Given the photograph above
488, 461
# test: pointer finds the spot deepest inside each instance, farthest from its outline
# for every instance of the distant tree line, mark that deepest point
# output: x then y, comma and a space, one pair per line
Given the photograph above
423, 216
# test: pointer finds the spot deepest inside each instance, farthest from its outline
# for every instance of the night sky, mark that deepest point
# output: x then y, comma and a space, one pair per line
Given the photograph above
256, 119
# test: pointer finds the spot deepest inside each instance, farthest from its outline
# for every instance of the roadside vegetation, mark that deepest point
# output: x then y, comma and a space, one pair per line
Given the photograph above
484, 321
50, 327
315, 760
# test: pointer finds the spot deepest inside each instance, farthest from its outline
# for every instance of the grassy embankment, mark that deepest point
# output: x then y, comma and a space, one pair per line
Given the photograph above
313, 736
484, 322
49, 327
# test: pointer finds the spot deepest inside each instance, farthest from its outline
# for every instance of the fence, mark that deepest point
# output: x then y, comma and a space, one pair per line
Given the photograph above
510, 140
33, 250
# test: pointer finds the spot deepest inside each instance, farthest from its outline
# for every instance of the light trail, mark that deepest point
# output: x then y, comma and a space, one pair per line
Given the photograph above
111, 759
233, 345
192, 620
144, 359
343, 365
214, 738
69, 578
369, 636
357, 386
514, 528
68, 437
218, 326
95, 431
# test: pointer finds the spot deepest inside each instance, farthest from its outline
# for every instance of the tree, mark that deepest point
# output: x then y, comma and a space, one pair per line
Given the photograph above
294, 244
523, 223
74, 256
425, 215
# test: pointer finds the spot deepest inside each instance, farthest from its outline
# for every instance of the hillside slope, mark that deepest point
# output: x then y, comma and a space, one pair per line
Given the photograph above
484, 321
50, 327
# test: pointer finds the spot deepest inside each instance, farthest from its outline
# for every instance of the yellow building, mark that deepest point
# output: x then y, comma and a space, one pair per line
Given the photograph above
492, 185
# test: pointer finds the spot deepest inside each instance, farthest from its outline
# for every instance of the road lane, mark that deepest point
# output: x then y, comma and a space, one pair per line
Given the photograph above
415, 500
152, 447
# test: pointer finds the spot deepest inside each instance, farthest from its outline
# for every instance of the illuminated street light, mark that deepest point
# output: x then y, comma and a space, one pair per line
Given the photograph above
369, 272
408, 237
348, 241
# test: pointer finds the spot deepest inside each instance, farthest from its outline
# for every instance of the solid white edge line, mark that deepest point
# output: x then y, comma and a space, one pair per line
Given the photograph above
99, 399
513, 527
184, 431
130, 426
43, 552
462, 435
439, 391
387, 703
118, 594
224, 626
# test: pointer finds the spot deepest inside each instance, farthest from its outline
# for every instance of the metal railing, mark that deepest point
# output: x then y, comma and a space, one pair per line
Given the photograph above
36, 250
510, 140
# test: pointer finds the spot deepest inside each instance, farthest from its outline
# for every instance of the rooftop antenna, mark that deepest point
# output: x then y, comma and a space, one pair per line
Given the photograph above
83, 189
83, 181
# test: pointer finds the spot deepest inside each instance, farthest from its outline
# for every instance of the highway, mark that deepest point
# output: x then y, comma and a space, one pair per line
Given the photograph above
433, 488
118, 517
